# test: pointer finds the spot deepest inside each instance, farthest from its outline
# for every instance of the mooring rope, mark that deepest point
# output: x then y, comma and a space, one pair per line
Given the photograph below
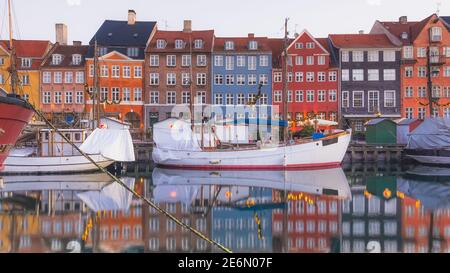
116, 179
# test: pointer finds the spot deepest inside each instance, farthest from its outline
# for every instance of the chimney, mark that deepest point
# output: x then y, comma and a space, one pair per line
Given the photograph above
403, 20
361, 32
77, 43
61, 34
251, 35
131, 17
187, 26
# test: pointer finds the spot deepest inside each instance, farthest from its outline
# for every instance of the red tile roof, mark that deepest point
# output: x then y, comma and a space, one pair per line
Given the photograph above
413, 29
35, 49
66, 51
170, 36
241, 44
324, 43
361, 40
277, 47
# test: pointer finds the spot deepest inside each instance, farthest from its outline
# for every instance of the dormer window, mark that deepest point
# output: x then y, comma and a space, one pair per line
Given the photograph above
133, 52
198, 44
404, 35
56, 59
102, 51
253, 45
179, 44
26, 62
436, 34
160, 44
229, 45
298, 45
76, 59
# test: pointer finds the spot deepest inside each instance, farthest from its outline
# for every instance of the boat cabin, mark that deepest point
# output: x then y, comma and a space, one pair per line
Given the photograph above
50, 143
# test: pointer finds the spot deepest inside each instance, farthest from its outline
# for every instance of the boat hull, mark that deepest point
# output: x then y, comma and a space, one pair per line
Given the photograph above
14, 116
434, 160
53, 165
325, 153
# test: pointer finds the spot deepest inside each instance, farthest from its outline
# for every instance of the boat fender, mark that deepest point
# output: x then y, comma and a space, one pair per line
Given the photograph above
215, 162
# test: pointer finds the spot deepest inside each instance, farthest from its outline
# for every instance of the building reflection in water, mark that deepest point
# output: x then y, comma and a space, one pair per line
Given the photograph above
294, 211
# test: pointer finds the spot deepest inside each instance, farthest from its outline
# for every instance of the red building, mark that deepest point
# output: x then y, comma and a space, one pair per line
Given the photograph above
312, 79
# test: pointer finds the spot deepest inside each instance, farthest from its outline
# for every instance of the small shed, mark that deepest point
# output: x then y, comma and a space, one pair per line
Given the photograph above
405, 127
381, 131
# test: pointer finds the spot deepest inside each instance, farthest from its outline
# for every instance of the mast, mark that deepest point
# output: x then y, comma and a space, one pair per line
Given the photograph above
13, 67
94, 89
430, 82
191, 91
285, 71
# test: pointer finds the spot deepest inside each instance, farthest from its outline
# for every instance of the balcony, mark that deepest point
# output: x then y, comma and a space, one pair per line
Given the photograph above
436, 60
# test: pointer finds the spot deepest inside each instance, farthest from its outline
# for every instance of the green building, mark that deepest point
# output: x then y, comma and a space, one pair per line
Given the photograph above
381, 131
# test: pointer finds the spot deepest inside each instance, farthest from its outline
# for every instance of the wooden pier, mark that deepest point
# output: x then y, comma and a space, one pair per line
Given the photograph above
361, 152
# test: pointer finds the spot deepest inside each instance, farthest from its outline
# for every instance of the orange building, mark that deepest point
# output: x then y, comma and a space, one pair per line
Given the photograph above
420, 39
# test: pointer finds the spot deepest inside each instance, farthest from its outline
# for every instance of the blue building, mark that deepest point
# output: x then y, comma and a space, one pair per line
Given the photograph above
239, 65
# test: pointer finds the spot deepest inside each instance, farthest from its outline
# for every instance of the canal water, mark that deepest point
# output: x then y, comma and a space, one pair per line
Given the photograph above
357, 208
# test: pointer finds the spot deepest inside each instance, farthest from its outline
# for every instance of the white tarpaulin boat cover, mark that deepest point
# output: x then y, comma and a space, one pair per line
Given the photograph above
175, 134
433, 133
113, 197
113, 144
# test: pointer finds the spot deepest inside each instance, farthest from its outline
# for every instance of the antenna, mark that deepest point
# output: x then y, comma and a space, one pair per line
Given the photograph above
438, 7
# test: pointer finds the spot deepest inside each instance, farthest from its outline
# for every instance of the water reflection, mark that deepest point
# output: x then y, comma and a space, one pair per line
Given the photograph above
261, 211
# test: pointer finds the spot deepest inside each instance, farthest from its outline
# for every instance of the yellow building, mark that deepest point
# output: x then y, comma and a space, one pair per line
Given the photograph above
29, 57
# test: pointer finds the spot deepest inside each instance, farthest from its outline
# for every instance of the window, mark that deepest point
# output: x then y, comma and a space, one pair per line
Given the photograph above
373, 101
229, 45
251, 79
103, 93
104, 71
240, 79
298, 45
218, 99
358, 99
240, 61
137, 72
299, 96
321, 60
56, 59
218, 60
179, 44
198, 44
289, 76
373, 75
201, 60
264, 79
133, 52
253, 45
310, 96
436, 91
46, 98
389, 98
115, 91
102, 51
57, 77
310, 45
201, 78
229, 62
421, 52
171, 97
332, 95
264, 61
68, 97
58, 97
373, 55
422, 71
408, 52
298, 76
126, 72
409, 92
321, 76
309, 60
345, 99
446, 92
218, 79
79, 77
447, 71
186, 60
332, 76
422, 112
358, 74
46, 77
289, 96
186, 97
277, 77
278, 96
389, 74
154, 60
251, 62
409, 113
154, 78
345, 56
79, 97
240, 99
446, 52
229, 79
171, 60
389, 55
26, 62
154, 97
409, 70
171, 78
310, 76
298, 60
115, 71
126, 94
229, 99
422, 91
436, 34
345, 75
160, 44
357, 56
321, 95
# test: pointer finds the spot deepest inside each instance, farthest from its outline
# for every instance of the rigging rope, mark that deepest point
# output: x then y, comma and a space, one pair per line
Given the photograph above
152, 204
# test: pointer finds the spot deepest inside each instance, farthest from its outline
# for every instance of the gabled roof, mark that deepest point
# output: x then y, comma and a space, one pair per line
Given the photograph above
170, 36
361, 41
378, 120
305, 32
241, 44
120, 33
34, 49
326, 44
412, 29
66, 51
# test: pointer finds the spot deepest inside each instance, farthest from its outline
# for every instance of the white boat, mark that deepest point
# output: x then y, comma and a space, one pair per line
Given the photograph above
177, 147
332, 181
54, 155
